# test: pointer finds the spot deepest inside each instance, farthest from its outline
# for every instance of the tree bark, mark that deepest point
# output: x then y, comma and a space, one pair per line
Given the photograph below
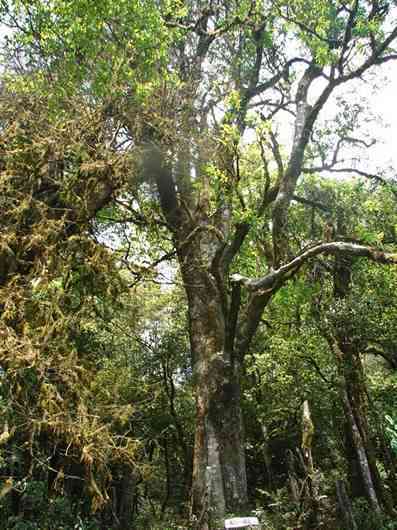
126, 500
344, 506
364, 476
310, 490
362, 457
219, 474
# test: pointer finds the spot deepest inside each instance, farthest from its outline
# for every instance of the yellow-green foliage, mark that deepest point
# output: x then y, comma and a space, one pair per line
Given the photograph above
54, 279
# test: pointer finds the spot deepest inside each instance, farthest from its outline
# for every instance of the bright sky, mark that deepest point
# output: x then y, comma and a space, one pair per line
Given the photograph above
378, 95
385, 104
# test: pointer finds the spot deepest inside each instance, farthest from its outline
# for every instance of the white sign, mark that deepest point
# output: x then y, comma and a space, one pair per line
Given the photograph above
241, 522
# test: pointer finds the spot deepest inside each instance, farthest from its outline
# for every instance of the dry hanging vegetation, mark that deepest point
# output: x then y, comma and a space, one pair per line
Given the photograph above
56, 173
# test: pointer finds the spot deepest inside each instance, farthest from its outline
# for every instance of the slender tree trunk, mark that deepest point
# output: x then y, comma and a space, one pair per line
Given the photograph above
362, 456
344, 506
127, 492
267, 456
364, 476
360, 451
310, 491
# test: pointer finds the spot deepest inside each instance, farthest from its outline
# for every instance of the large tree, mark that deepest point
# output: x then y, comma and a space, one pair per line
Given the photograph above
231, 67
278, 58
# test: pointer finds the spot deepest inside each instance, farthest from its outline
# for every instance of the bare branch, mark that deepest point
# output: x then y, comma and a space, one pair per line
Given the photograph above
305, 119
348, 35
141, 271
262, 87
313, 204
275, 147
232, 249
360, 172
375, 58
275, 278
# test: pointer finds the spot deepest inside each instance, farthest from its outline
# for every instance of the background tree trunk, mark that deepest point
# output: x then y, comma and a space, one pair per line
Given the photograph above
363, 473
344, 506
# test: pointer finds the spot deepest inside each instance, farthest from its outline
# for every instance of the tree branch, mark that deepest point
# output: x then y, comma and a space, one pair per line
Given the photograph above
282, 274
313, 204
232, 249
348, 34
360, 172
261, 290
262, 87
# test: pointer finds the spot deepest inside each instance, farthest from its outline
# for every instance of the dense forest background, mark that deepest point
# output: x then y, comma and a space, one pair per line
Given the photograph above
197, 265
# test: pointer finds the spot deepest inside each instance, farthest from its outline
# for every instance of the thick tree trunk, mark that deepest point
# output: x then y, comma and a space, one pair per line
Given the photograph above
219, 474
219, 483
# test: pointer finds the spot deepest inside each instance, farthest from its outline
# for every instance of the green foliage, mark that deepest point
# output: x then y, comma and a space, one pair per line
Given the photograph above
391, 430
42, 512
94, 48
367, 519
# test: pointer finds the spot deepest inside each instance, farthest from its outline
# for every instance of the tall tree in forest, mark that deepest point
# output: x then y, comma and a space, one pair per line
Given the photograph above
232, 66
204, 189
